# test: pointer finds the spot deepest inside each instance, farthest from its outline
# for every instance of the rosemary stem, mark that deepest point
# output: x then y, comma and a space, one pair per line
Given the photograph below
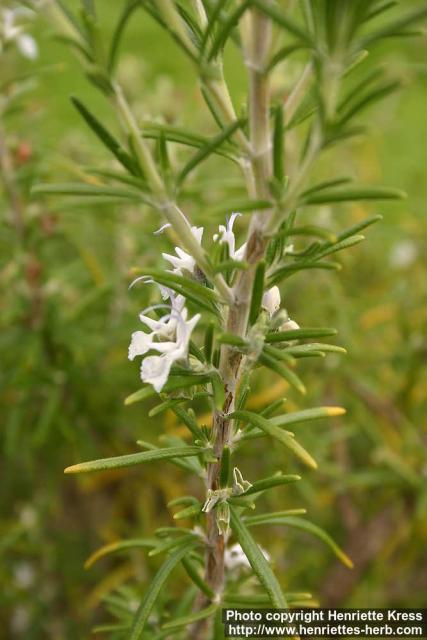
258, 174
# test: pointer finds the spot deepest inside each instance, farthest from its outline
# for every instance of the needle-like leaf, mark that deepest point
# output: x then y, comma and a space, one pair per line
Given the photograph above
276, 432
304, 525
133, 459
257, 560
152, 593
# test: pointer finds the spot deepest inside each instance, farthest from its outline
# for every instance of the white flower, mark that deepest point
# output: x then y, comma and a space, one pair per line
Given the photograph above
226, 236
235, 558
183, 261
10, 32
271, 300
289, 325
169, 336
164, 327
155, 369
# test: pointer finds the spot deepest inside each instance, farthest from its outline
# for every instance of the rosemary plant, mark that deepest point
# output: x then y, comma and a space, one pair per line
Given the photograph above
218, 319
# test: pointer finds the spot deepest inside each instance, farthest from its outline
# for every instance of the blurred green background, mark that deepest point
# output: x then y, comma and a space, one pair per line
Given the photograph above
67, 315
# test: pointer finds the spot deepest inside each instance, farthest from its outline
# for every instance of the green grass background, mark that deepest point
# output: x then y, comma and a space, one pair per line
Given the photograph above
65, 324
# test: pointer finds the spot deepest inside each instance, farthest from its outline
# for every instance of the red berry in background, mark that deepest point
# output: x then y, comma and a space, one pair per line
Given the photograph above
23, 153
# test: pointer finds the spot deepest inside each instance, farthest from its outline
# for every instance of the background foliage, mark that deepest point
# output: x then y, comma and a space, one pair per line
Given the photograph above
67, 314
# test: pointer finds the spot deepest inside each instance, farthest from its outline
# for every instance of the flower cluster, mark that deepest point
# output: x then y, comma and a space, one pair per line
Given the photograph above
226, 236
183, 262
170, 335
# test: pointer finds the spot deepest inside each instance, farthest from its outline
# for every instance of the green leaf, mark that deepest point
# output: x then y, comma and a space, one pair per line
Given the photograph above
225, 467
186, 137
172, 544
327, 184
288, 419
71, 19
187, 463
164, 406
376, 11
209, 341
360, 86
307, 107
283, 371
307, 353
299, 265
164, 159
189, 512
79, 46
339, 246
155, 589
257, 293
367, 99
301, 350
271, 408
300, 334
279, 354
88, 203
257, 560
189, 420
133, 459
209, 148
118, 546
282, 54
278, 144
193, 573
231, 339
197, 293
118, 176
175, 383
83, 189
106, 137
243, 600
351, 195
259, 599
229, 265
296, 596
212, 106
268, 483
225, 29
214, 16
305, 525
166, 532
191, 22
307, 415
360, 226
283, 20
182, 500
218, 390
276, 432
192, 617
127, 12
110, 628
396, 26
